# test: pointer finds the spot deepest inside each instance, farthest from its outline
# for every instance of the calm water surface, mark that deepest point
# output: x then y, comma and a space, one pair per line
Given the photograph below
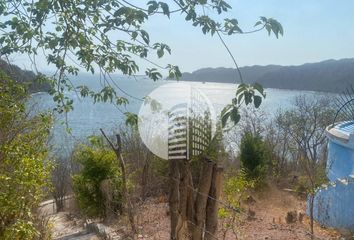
87, 118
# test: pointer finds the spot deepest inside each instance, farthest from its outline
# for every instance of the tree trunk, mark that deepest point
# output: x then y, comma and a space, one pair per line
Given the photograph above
127, 201
59, 203
144, 179
202, 198
174, 198
193, 212
106, 190
312, 198
211, 222
190, 201
186, 197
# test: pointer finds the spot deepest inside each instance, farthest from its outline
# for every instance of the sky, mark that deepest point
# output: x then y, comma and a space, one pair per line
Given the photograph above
314, 30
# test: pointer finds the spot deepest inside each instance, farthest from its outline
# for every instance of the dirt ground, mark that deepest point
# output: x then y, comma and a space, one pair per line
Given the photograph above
67, 225
270, 209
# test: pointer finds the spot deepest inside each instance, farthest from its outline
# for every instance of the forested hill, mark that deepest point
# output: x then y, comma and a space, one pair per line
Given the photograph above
329, 76
23, 76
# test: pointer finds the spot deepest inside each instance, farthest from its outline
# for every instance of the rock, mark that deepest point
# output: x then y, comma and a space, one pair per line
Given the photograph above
273, 227
251, 214
346, 234
291, 217
301, 217
250, 200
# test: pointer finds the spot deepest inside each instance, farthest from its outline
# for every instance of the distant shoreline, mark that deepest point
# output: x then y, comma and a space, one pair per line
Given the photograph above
265, 88
333, 76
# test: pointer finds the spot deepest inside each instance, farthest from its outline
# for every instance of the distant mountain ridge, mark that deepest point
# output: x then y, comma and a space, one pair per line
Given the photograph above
326, 76
28, 78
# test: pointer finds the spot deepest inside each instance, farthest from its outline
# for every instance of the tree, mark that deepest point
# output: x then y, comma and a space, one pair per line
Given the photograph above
99, 173
306, 125
254, 156
24, 167
278, 140
61, 182
78, 34
106, 37
120, 161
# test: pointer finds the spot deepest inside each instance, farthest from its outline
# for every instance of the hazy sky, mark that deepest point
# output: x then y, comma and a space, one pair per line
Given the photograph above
315, 30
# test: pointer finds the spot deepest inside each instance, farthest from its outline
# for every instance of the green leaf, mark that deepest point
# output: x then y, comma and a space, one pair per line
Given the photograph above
268, 28
248, 97
257, 100
145, 36
165, 9
226, 109
191, 15
153, 74
153, 6
108, 8
258, 23
241, 88
160, 53
224, 118
230, 112
174, 72
121, 101
259, 88
134, 35
264, 19
235, 116
132, 119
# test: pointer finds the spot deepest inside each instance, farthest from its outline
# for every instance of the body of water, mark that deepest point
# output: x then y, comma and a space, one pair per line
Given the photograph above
87, 118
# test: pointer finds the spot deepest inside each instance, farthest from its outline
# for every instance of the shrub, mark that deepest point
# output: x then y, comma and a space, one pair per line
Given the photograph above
24, 168
235, 188
98, 164
254, 156
234, 192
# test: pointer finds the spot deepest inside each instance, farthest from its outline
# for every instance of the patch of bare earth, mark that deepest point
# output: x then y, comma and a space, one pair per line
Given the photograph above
65, 225
270, 209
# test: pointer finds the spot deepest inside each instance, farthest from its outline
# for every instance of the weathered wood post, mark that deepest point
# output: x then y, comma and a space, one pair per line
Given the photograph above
211, 222
201, 200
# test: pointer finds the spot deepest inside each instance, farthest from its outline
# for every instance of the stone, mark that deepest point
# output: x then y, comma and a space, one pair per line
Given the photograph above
291, 217
301, 216
251, 214
250, 200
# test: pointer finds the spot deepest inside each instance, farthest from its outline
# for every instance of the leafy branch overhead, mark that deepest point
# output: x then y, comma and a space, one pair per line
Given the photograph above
104, 36
246, 94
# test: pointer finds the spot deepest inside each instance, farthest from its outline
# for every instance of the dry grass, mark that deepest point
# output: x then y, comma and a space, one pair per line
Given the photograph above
270, 209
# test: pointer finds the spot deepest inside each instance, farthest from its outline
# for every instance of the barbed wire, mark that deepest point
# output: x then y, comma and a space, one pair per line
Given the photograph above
202, 228
224, 204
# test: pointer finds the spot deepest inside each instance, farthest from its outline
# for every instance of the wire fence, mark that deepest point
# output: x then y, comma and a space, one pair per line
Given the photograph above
225, 205
155, 217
